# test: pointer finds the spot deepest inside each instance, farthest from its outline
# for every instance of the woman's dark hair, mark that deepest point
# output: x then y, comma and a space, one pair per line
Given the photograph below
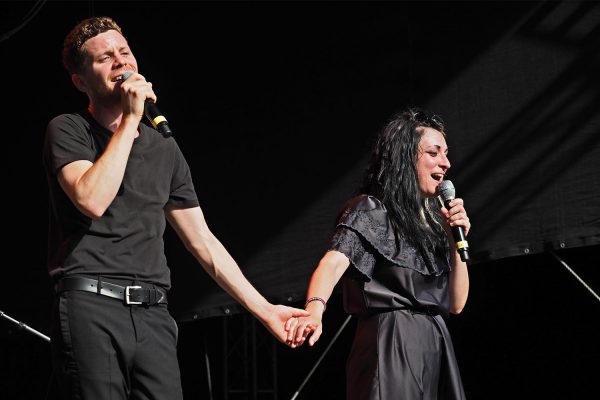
392, 178
73, 55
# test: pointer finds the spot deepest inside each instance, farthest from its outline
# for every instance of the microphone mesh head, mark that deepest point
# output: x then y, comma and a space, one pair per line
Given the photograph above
126, 75
447, 191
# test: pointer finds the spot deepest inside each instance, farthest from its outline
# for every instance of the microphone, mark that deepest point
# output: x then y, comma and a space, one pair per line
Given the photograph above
447, 194
158, 121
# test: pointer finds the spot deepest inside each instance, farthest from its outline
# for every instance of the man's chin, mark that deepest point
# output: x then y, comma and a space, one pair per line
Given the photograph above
109, 99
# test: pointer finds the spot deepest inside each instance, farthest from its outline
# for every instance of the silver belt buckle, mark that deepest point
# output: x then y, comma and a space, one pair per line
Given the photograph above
127, 289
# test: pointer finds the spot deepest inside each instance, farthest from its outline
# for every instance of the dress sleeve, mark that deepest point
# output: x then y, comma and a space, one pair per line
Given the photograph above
356, 248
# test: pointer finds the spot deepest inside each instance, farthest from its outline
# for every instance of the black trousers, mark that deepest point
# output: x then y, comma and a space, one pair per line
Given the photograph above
104, 349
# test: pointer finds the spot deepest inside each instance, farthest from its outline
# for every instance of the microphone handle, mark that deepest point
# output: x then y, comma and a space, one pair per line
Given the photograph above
461, 243
459, 237
151, 111
156, 118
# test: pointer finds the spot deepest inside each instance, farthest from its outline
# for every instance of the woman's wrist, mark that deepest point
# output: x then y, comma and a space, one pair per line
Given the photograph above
315, 305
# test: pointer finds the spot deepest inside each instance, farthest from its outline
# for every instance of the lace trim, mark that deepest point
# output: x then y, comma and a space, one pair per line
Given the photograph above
367, 216
349, 242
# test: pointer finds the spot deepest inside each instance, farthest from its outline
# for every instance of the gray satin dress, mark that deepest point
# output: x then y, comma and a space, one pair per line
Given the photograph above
402, 348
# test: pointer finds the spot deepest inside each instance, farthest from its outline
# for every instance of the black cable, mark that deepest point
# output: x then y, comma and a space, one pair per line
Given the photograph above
28, 17
564, 264
321, 357
23, 326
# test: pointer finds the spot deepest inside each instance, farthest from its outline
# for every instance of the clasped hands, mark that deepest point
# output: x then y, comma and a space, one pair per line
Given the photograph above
300, 328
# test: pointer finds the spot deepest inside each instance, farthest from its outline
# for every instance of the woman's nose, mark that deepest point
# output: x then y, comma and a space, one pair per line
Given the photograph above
445, 161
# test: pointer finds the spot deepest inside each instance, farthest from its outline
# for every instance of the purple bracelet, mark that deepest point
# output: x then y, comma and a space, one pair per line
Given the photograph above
316, 299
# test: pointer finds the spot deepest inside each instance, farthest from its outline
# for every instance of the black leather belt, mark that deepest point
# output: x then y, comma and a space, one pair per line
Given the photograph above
130, 295
428, 310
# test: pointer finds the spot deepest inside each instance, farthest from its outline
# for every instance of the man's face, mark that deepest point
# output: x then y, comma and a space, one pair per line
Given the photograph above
108, 56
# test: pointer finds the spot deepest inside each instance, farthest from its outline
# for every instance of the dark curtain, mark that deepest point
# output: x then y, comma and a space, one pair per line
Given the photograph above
512, 80
276, 104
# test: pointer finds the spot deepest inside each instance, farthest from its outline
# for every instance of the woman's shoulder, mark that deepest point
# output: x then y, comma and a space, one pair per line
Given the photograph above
362, 208
363, 202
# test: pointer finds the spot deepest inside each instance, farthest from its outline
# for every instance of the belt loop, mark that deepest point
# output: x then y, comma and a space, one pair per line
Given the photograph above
152, 296
99, 285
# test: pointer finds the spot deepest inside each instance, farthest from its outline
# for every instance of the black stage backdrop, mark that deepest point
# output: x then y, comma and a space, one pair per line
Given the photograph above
276, 104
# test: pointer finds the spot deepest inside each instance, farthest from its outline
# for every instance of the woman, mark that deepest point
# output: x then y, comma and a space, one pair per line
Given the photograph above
402, 274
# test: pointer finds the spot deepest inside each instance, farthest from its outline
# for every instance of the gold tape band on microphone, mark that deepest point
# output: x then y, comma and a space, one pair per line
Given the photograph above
158, 120
462, 245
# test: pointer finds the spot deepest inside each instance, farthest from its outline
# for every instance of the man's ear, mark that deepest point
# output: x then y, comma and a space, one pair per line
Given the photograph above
79, 83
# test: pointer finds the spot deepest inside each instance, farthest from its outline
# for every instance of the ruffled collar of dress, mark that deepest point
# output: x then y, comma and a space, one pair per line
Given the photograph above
368, 216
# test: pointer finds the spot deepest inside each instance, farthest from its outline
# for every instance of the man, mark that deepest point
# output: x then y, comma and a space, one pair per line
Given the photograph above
112, 182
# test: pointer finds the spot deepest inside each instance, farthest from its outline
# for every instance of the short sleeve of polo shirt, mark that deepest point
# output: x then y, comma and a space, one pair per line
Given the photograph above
182, 192
66, 141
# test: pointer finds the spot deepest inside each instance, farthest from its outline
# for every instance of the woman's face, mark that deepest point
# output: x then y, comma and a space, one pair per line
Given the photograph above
432, 161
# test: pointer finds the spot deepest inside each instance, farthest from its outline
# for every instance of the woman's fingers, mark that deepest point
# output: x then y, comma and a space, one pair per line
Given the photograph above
315, 336
457, 215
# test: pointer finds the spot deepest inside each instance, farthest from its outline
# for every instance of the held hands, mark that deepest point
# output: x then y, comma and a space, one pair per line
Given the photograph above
298, 329
275, 320
457, 215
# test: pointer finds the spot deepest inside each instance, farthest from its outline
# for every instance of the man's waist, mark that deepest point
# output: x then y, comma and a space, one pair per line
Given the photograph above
130, 292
